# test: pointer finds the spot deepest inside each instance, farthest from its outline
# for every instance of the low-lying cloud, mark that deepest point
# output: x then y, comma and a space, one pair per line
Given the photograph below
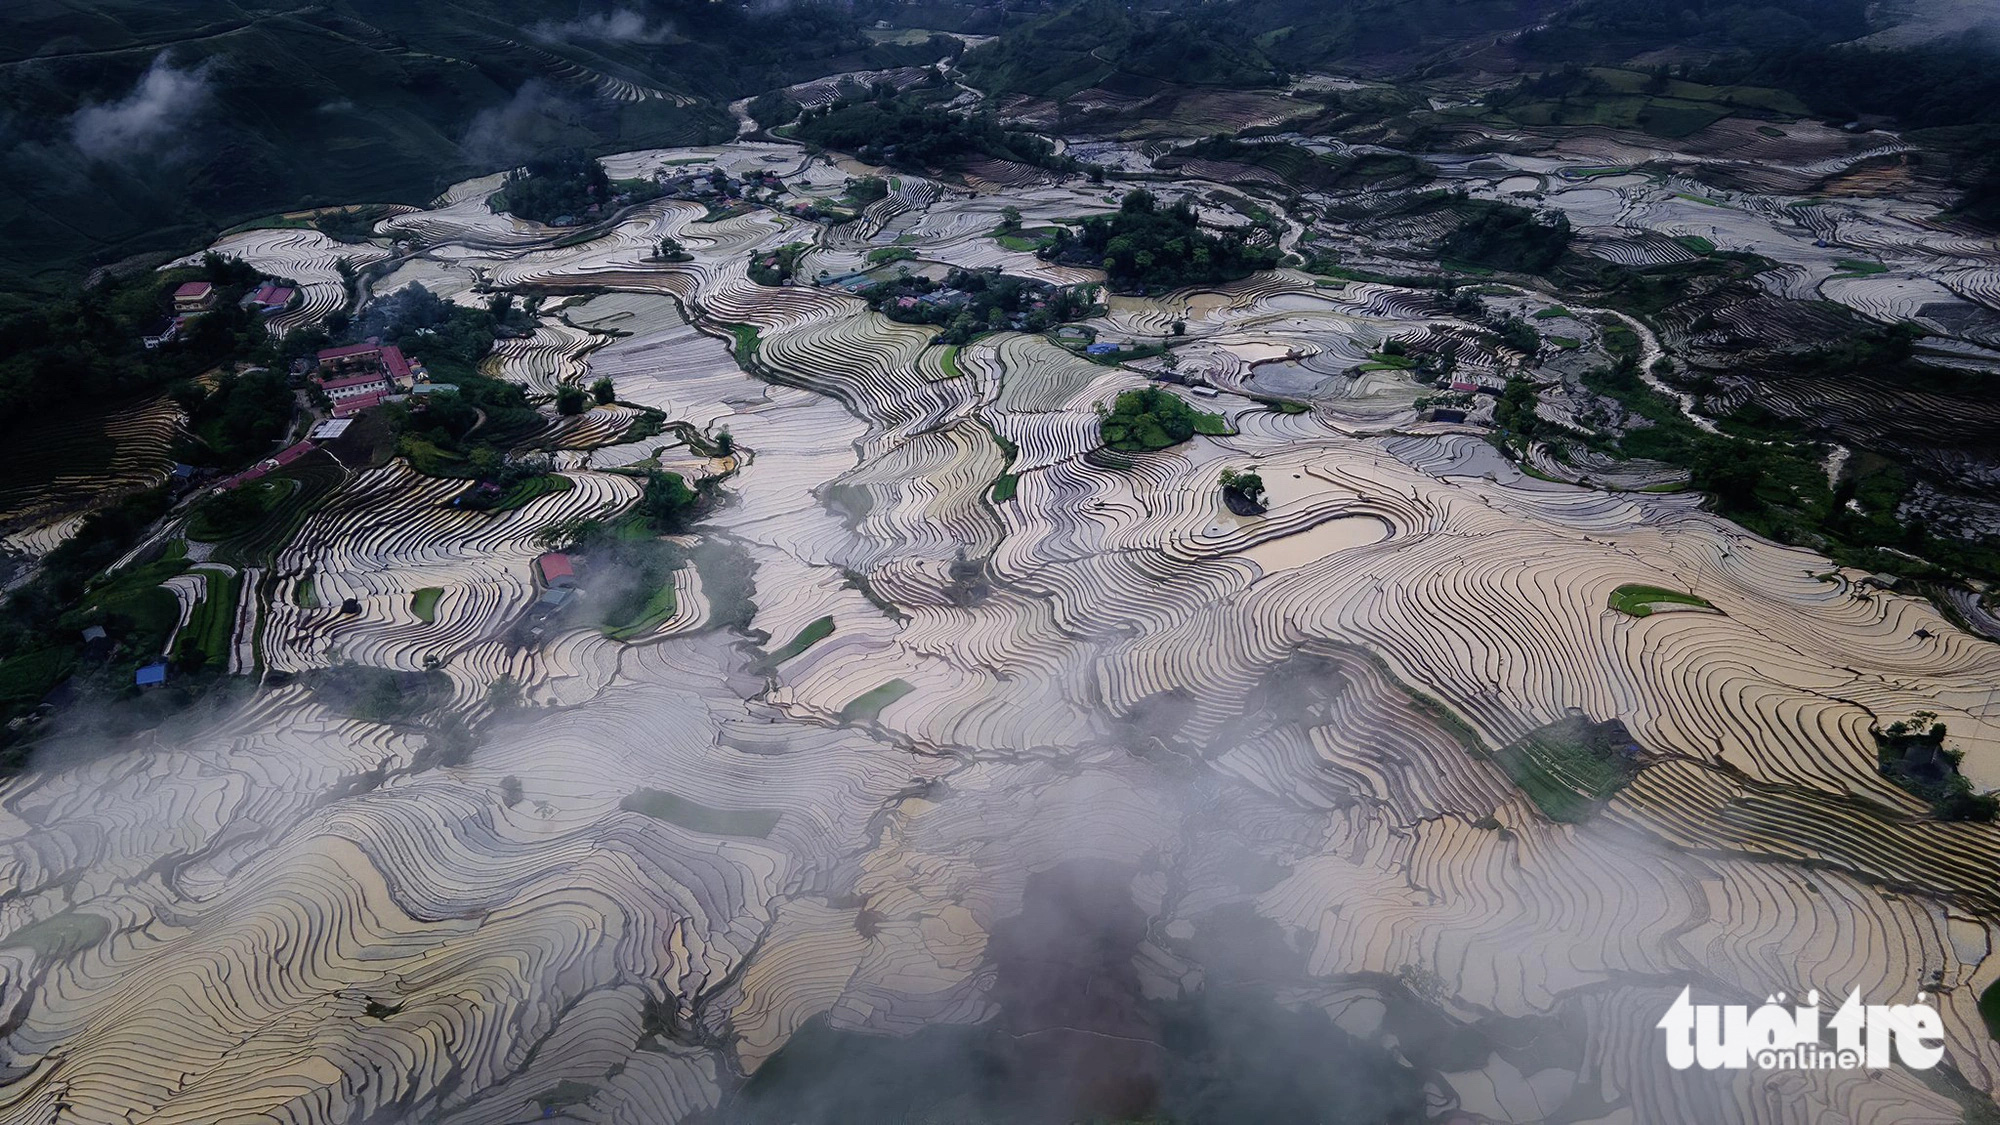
620, 25
150, 119
533, 119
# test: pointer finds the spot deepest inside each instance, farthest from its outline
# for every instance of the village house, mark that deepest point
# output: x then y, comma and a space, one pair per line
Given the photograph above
556, 570
194, 297
270, 297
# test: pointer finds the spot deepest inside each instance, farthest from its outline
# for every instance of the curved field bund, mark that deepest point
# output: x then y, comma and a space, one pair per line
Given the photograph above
683, 845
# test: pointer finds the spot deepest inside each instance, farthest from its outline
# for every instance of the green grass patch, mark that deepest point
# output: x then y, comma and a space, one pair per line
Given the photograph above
1004, 487
717, 212
678, 810
1551, 313
886, 255
653, 614
868, 706
531, 490
1566, 343
1856, 267
1696, 243
808, 637
1619, 339
207, 524
424, 603
1026, 240
270, 222
1382, 361
205, 640
1212, 425
317, 476
1567, 768
1638, 601
748, 337
26, 678
1771, 131
432, 460
303, 594
133, 607
949, 361
59, 935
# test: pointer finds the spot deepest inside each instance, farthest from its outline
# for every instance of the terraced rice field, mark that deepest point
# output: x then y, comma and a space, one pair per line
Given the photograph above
887, 696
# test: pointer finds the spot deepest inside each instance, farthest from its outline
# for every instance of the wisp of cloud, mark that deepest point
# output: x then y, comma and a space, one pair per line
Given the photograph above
620, 25
149, 118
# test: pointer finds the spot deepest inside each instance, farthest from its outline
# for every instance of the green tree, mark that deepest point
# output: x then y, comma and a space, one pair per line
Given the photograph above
1731, 472
667, 502
1249, 486
230, 512
484, 461
1147, 419
570, 401
603, 392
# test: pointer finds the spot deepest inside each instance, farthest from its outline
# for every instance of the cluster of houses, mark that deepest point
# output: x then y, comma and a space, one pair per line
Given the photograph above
193, 298
353, 378
715, 184
358, 376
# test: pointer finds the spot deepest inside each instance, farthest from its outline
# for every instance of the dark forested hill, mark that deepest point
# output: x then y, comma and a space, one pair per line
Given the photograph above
132, 126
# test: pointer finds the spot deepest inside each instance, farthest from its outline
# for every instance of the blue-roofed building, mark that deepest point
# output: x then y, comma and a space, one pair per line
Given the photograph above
1101, 349
152, 675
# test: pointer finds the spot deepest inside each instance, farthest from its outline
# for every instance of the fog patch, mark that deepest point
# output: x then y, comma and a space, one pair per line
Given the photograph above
620, 25
535, 118
148, 120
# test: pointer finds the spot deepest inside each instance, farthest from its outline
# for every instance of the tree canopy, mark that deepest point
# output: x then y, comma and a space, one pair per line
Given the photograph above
1147, 419
1144, 245
885, 128
559, 187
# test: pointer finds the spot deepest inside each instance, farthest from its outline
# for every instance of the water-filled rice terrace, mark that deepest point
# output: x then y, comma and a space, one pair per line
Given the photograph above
1452, 736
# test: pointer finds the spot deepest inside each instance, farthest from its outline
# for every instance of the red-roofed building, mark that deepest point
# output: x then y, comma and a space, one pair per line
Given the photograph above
355, 386
350, 352
194, 297
349, 407
270, 297
385, 363
397, 367
556, 570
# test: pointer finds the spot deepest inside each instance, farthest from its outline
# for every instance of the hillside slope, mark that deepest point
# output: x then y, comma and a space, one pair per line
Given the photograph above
134, 128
